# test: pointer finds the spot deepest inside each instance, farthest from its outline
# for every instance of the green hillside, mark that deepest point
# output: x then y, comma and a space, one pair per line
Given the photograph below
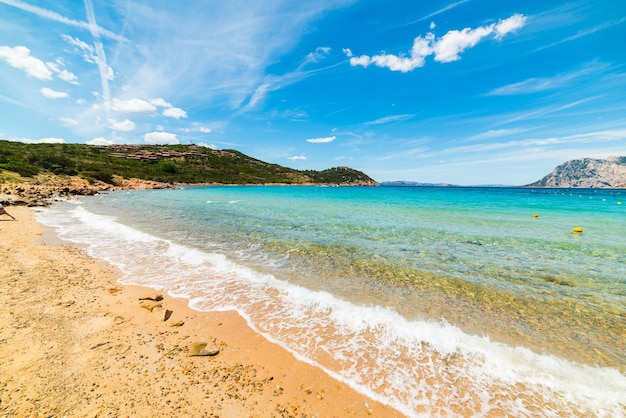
163, 163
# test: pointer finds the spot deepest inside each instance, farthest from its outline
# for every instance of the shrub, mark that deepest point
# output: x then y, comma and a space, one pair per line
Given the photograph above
168, 166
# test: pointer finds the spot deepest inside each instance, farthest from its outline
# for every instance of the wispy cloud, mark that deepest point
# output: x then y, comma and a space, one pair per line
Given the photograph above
233, 47
443, 10
445, 49
544, 111
507, 161
496, 133
297, 158
585, 32
594, 137
68, 121
273, 82
50, 15
389, 119
538, 84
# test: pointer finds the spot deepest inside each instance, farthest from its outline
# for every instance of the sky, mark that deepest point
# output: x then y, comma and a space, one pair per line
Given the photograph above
463, 92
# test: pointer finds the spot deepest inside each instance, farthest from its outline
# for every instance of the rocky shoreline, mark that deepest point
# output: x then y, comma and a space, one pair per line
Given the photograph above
42, 190
45, 189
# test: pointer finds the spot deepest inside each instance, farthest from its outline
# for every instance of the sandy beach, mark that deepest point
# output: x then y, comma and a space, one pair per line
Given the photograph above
76, 343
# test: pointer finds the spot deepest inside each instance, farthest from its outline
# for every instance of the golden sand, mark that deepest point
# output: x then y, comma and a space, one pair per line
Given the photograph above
75, 343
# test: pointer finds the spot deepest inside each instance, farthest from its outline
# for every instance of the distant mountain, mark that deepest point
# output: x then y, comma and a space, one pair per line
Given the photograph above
587, 172
401, 183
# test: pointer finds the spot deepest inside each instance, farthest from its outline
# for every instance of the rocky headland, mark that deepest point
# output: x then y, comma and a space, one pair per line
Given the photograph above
587, 173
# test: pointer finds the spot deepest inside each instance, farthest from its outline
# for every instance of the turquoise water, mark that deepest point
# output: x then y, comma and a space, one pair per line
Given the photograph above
433, 300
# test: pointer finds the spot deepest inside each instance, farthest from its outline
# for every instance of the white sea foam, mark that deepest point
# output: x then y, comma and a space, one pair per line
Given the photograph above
409, 365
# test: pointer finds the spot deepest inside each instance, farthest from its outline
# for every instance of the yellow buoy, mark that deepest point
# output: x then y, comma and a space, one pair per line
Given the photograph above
619, 203
577, 230
535, 215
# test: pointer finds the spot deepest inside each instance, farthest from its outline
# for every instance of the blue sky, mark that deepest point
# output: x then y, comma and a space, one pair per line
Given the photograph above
456, 91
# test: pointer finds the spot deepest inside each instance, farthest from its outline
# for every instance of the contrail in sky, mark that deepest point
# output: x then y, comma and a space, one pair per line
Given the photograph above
102, 59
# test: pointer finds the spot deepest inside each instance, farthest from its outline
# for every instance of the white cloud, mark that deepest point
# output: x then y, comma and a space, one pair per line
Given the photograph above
162, 138
67, 76
174, 112
52, 94
123, 126
38, 141
297, 157
204, 144
100, 141
205, 130
446, 48
421, 49
160, 102
322, 140
63, 74
132, 106
51, 141
19, 57
513, 23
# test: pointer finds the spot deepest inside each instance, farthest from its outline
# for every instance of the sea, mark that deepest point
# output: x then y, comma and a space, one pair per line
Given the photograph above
438, 301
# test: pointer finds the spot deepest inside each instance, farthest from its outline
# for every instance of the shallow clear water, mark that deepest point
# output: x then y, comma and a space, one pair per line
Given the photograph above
453, 300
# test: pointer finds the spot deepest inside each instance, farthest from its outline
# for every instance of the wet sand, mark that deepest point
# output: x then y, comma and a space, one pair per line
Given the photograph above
75, 343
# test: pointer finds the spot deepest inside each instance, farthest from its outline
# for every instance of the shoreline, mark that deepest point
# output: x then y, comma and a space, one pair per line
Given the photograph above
45, 189
78, 343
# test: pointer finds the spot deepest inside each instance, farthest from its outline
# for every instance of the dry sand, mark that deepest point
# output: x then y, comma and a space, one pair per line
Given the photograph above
75, 343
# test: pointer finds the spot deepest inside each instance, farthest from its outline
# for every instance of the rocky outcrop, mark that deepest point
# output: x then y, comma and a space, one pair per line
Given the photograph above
587, 172
44, 189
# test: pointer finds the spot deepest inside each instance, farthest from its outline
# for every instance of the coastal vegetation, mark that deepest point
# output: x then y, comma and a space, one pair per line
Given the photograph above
174, 164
